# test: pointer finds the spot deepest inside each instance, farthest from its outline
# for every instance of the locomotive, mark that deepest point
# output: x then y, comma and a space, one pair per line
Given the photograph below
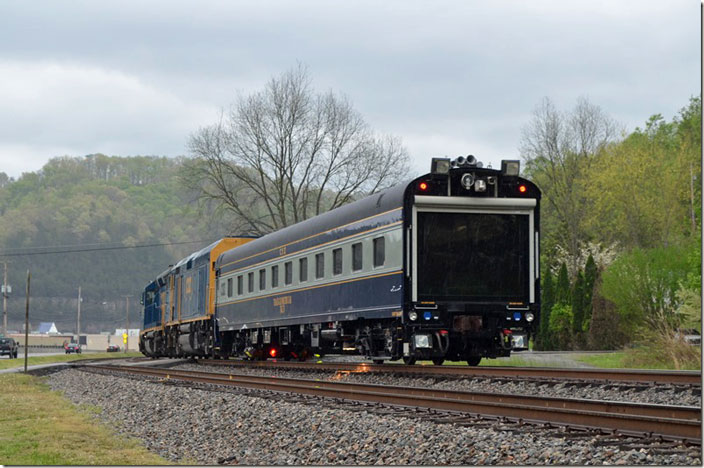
444, 267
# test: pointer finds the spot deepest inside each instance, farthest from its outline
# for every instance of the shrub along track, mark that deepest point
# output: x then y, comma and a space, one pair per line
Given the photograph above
676, 423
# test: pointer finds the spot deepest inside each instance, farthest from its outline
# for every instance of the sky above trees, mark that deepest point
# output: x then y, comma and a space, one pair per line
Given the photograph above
447, 77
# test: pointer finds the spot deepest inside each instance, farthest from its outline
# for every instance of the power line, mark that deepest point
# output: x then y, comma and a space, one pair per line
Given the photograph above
96, 249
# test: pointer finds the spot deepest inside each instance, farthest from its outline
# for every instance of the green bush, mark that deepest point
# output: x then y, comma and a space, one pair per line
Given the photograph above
561, 326
643, 284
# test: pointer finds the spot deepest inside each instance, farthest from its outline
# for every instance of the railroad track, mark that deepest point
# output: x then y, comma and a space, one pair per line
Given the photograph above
679, 423
634, 376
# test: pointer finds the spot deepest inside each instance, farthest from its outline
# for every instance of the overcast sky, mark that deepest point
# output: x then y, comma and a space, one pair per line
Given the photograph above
448, 77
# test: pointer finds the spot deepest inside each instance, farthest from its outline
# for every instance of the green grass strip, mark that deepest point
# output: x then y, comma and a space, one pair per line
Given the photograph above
40, 427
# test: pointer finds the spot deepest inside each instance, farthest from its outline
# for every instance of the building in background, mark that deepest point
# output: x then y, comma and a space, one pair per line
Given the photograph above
47, 328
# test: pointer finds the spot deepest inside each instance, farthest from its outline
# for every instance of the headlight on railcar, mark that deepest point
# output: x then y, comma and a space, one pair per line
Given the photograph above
413, 316
422, 341
530, 317
440, 166
467, 181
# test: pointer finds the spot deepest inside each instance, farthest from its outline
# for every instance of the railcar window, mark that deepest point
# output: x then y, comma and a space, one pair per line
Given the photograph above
357, 256
229, 287
288, 272
303, 270
262, 279
337, 261
250, 282
275, 276
240, 289
319, 265
379, 251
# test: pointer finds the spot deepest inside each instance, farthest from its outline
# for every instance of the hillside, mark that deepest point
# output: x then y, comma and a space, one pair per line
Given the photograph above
69, 223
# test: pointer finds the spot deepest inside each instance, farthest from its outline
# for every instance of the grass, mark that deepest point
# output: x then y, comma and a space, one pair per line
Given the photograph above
7, 363
632, 359
40, 427
513, 361
615, 360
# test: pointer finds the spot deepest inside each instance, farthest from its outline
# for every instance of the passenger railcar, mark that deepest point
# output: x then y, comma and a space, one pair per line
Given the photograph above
444, 267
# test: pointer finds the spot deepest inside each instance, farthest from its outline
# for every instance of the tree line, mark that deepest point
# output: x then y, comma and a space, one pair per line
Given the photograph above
621, 228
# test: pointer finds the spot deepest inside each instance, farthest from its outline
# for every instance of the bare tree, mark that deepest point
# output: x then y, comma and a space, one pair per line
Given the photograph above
285, 154
558, 149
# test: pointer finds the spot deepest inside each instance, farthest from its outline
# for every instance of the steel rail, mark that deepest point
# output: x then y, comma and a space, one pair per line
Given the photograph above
677, 422
607, 375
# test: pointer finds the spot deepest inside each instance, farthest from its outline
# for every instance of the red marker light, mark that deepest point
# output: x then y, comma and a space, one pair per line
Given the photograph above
423, 186
272, 352
522, 188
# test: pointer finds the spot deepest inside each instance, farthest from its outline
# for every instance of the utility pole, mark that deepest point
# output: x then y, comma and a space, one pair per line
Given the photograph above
78, 318
127, 319
6, 290
26, 327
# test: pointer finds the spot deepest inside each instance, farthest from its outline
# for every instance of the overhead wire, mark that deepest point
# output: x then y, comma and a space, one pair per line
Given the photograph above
67, 249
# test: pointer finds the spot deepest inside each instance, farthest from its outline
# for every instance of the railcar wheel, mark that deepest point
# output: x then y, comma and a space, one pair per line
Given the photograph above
438, 361
473, 360
409, 360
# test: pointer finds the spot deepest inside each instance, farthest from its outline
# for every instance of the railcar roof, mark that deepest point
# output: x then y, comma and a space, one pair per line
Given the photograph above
372, 205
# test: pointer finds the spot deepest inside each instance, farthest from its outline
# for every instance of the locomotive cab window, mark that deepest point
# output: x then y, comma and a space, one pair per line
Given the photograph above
379, 252
262, 279
240, 289
229, 287
337, 261
357, 256
319, 265
250, 282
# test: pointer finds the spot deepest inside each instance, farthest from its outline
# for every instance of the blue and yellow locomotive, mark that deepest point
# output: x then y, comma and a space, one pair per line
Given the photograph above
444, 267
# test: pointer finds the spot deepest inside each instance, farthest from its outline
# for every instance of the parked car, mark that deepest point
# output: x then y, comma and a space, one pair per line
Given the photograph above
72, 348
8, 346
113, 348
690, 336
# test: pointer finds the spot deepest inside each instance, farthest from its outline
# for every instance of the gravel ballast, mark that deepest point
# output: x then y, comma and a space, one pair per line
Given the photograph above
197, 425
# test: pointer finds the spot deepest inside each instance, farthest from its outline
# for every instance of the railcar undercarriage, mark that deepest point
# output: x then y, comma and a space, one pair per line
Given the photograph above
466, 338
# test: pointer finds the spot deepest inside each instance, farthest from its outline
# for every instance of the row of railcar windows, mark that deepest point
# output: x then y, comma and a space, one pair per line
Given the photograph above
378, 257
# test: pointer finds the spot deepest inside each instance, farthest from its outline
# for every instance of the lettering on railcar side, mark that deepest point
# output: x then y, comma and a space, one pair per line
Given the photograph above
281, 302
